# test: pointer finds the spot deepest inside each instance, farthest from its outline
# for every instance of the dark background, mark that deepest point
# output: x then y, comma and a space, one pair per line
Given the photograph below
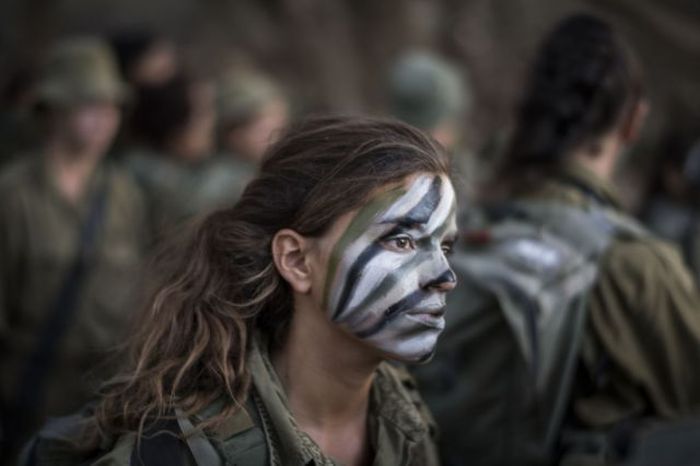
332, 54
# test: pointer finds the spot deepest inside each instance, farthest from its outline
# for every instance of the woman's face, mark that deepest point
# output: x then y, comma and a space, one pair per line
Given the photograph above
387, 274
89, 127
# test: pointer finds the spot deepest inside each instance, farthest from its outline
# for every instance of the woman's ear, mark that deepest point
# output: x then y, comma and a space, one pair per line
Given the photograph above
635, 121
290, 252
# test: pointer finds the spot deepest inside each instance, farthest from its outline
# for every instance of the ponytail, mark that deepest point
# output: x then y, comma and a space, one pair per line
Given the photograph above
582, 82
190, 347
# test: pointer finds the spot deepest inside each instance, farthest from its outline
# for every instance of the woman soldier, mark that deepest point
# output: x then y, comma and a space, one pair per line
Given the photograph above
583, 109
565, 350
266, 342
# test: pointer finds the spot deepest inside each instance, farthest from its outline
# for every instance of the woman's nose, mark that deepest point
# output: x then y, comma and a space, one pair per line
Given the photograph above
444, 282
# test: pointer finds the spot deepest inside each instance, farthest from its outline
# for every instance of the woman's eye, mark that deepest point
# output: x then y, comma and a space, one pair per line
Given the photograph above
447, 249
399, 243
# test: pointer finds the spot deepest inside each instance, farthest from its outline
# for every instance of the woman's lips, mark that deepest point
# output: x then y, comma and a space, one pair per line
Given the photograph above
433, 318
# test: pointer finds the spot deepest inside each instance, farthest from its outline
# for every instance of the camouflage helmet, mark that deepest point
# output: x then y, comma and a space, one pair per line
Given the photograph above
79, 70
242, 93
424, 90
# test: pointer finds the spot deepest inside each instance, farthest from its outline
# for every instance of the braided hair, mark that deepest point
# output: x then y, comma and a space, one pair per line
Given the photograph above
583, 82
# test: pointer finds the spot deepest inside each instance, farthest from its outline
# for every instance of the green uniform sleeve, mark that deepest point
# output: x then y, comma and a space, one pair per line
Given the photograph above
645, 316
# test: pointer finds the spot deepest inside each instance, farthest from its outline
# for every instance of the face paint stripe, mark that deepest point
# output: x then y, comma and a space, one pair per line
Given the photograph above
357, 227
354, 275
419, 214
444, 226
416, 192
439, 221
394, 311
374, 295
373, 289
416, 263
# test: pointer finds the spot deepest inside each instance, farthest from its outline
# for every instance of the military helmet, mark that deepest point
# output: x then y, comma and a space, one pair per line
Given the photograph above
424, 89
79, 70
241, 93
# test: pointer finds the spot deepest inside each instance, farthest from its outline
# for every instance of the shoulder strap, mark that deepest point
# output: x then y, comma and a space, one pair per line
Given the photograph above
60, 314
202, 450
239, 440
248, 438
178, 442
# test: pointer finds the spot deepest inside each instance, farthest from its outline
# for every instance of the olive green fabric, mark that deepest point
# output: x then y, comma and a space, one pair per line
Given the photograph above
402, 431
638, 355
39, 231
177, 192
234, 173
644, 324
242, 94
78, 70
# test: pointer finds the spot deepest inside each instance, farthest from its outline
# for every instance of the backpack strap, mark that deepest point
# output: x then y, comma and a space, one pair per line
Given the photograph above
202, 450
173, 441
237, 441
242, 439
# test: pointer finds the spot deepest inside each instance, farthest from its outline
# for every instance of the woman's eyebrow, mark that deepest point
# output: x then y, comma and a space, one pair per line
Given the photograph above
452, 237
408, 221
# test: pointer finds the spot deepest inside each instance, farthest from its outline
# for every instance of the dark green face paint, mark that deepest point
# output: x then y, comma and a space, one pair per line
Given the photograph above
387, 275
358, 226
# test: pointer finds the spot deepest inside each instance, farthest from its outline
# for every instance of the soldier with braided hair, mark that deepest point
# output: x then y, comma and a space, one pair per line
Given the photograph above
573, 327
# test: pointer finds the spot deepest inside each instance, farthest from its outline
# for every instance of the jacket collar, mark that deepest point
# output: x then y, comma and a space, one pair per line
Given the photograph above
395, 422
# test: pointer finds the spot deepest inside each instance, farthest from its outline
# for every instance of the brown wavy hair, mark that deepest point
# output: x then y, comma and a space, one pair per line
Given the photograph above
190, 343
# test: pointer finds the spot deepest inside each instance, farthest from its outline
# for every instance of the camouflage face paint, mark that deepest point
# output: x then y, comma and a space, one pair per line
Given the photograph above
387, 269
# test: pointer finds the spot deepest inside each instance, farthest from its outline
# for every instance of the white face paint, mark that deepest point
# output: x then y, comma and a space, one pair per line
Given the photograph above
388, 272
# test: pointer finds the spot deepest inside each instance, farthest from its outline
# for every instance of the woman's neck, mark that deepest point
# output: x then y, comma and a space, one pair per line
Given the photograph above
604, 161
327, 377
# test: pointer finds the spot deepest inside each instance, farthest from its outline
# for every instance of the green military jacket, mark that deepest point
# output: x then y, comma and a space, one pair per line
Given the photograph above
238, 171
642, 347
402, 432
177, 192
39, 232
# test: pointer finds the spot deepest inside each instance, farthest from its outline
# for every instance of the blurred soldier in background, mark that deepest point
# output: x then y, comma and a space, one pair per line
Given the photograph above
252, 113
71, 240
573, 327
430, 93
145, 58
172, 126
